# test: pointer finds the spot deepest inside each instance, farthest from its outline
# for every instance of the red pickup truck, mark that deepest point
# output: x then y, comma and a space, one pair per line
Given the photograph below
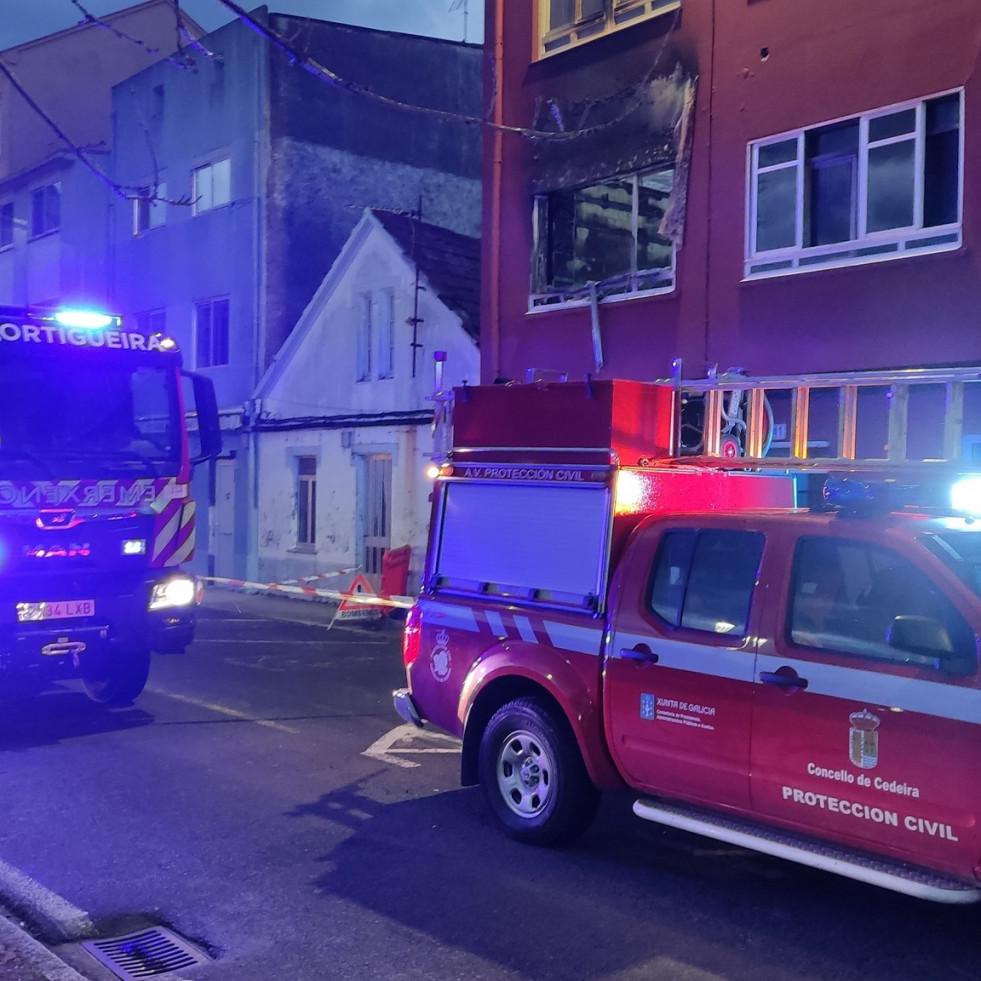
802, 682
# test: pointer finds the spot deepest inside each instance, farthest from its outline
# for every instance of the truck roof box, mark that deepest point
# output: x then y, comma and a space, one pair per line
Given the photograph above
630, 418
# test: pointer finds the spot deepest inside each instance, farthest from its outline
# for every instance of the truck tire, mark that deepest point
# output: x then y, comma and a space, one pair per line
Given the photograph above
119, 677
533, 776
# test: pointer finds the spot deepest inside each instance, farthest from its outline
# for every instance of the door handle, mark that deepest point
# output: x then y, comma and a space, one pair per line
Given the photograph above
639, 652
784, 677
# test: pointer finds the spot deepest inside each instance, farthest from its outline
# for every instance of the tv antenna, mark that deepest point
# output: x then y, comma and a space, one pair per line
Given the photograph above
456, 5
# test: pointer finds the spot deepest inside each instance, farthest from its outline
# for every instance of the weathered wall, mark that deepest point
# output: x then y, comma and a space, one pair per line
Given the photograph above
335, 151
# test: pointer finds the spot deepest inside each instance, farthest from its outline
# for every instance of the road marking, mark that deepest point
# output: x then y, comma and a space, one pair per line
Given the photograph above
24, 891
222, 710
281, 643
379, 749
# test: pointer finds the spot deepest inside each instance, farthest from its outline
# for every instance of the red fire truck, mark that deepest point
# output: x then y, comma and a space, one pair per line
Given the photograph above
600, 611
96, 515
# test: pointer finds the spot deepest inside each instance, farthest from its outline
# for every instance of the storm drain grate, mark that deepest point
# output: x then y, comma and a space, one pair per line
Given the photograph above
145, 954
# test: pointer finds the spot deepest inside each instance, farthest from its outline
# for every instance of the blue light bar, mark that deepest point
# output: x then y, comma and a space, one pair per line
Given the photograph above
840, 492
965, 495
85, 319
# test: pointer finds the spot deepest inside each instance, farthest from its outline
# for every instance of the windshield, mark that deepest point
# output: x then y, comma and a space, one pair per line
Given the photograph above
961, 551
61, 420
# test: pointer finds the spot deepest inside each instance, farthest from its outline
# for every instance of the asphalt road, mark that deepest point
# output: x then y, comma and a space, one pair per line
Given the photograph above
262, 801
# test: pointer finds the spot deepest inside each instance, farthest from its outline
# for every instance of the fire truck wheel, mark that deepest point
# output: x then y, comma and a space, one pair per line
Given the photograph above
118, 678
533, 776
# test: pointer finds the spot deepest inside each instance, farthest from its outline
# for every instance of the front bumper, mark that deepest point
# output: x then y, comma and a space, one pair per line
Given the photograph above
406, 707
62, 647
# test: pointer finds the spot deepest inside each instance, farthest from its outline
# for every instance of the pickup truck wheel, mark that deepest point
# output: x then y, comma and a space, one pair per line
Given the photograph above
119, 677
533, 776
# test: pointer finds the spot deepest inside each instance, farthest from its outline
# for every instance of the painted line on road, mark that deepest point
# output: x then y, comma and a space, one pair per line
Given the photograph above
58, 914
222, 710
291, 619
381, 748
281, 643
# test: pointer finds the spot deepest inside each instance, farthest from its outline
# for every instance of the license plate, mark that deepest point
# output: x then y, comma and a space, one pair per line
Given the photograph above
55, 610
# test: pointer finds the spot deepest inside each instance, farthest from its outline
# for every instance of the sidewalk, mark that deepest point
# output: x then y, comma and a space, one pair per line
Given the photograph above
22, 958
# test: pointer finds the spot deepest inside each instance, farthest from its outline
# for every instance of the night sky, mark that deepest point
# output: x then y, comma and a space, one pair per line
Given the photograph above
22, 20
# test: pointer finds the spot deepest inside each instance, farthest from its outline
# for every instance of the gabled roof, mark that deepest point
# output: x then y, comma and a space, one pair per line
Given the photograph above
450, 261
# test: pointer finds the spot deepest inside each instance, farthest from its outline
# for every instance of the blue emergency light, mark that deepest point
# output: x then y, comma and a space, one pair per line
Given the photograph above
965, 495
85, 319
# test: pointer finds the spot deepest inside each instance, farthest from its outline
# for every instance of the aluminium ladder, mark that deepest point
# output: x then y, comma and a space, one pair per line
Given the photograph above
753, 394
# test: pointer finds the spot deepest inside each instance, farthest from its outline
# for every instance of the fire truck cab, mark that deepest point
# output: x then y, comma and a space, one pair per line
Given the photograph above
598, 612
96, 514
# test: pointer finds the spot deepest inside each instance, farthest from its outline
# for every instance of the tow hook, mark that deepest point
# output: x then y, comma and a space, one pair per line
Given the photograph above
63, 646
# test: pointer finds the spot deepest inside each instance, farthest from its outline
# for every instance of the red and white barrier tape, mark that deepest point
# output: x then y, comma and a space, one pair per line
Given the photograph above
364, 599
320, 575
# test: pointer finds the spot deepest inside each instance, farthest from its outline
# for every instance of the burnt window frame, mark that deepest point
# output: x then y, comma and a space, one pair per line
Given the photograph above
548, 252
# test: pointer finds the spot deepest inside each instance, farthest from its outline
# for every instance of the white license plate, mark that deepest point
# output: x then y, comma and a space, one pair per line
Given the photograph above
55, 610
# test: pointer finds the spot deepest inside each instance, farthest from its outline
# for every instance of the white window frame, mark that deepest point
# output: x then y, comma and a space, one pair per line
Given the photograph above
7, 224
866, 246
632, 282
152, 321
615, 15
218, 350
306, 501
212, 185
386, 334
51, 192
150, 209
362, 356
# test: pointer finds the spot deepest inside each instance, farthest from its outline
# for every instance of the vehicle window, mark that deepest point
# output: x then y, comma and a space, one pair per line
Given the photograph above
861, 599
961, 552
703, 579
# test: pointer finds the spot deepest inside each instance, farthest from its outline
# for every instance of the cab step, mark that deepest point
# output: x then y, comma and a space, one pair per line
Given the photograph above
889, 874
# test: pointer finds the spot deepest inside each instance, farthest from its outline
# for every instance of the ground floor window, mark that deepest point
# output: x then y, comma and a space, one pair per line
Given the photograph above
306, 500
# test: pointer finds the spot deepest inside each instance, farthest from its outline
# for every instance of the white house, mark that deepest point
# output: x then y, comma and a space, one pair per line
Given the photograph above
343, 415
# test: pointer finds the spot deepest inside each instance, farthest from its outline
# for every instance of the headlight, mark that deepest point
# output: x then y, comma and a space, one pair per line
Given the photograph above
179, 591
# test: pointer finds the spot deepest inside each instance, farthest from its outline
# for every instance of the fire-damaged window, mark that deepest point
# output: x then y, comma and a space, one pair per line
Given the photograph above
566, 22
604, 234
872, 187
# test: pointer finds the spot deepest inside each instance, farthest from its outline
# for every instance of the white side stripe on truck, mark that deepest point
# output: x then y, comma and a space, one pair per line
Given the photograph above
935, 698
562, 636
570, 637
525, 630
720, 662
451, 616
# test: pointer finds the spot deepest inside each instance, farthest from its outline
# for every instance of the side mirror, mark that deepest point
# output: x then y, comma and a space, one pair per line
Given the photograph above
205, 440
928, 640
